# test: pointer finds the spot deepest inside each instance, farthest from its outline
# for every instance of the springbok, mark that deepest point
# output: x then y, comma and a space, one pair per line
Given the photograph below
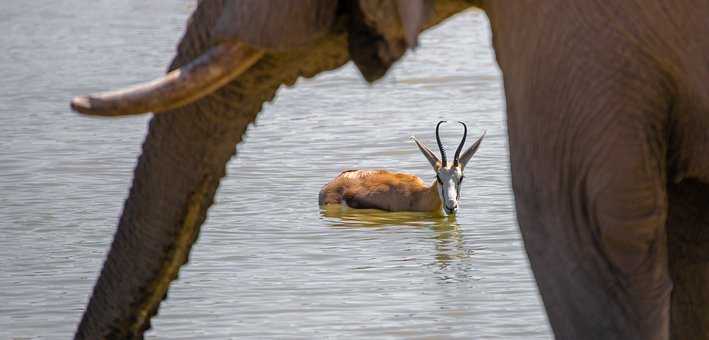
395, 191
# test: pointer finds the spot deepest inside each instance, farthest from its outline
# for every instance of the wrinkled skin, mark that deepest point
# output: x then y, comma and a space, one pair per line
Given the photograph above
608, 128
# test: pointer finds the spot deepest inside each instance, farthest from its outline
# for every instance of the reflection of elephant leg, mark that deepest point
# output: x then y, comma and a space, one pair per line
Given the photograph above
688, 239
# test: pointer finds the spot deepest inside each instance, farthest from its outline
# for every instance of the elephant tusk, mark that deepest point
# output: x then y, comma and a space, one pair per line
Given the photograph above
209, 72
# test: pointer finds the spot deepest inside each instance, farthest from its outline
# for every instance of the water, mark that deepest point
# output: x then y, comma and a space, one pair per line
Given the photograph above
269, 263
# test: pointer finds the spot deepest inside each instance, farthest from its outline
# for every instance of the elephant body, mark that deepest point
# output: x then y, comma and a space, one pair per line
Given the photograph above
602, 101
608, 132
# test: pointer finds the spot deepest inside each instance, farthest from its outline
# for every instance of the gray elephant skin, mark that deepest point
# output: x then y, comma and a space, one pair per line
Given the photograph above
608, 121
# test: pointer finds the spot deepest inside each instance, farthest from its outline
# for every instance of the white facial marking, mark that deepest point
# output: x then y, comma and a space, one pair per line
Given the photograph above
449, 187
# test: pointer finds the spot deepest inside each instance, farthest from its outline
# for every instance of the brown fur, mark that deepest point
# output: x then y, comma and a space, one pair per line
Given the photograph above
381, 189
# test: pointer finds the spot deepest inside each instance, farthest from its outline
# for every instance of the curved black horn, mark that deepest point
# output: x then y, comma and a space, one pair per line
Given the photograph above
440, 146
460, 146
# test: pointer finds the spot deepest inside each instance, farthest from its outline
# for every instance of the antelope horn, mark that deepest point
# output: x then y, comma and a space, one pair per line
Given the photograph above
444, 161
460, 146
210, 71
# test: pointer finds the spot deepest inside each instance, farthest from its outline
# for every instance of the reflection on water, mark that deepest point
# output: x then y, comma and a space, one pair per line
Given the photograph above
445, 234
269, 262
341, 216
445, 229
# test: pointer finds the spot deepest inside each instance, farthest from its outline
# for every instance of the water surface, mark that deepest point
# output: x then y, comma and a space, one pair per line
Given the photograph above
268, 263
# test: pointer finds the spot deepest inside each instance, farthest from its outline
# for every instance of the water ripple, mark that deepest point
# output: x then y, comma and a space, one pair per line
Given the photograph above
269, 262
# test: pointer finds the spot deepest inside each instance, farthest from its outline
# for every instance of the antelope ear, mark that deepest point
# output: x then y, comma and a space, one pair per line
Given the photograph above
435, 162
277, 25
468, 154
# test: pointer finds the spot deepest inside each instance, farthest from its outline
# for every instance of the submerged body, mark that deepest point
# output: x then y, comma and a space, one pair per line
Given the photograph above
395, 191
381, 189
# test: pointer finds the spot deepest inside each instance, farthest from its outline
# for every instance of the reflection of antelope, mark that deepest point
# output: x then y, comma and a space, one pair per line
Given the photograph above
393, 191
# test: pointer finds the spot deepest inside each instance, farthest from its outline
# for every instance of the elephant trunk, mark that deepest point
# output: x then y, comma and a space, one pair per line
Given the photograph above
175, 182
184, 157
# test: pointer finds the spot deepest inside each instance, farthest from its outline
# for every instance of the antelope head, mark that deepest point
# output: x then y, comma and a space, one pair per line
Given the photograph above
449, 175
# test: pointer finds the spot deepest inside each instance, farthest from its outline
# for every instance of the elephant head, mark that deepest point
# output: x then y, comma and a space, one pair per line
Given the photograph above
378, 34
608, 132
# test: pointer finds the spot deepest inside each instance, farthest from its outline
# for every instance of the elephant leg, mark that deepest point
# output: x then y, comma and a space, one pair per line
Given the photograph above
596, 240
688, 241
588, 160
588, 133
597, 245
